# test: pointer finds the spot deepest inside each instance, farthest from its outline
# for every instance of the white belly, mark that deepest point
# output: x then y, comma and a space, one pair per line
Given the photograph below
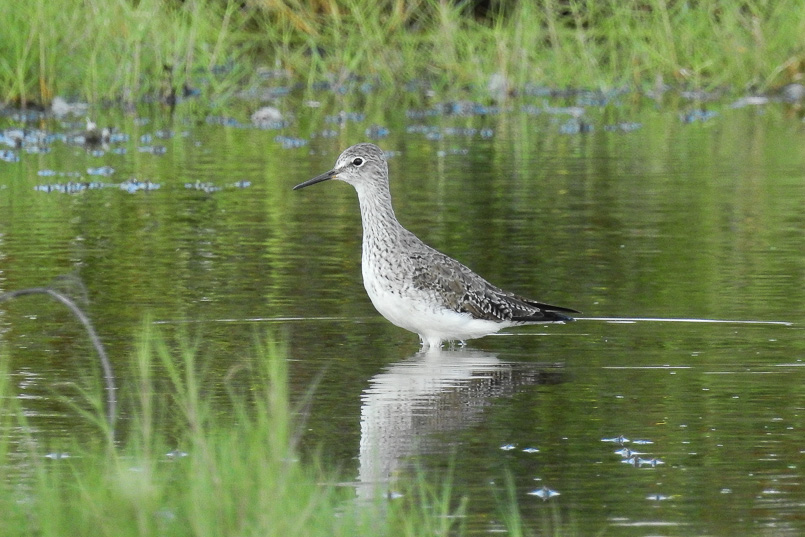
422, 314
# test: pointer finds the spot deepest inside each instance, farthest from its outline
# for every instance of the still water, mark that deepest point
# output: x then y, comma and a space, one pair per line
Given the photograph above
646, 427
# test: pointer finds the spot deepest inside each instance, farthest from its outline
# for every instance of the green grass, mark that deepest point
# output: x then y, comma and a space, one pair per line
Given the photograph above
242, 474
122, 50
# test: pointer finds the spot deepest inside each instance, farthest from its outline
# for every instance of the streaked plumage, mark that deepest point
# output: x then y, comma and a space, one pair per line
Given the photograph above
411, 284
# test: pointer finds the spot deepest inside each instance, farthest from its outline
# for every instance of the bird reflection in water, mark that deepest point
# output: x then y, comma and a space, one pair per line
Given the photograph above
409, 406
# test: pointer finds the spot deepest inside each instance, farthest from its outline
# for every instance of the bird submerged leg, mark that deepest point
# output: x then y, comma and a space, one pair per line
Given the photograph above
429, 343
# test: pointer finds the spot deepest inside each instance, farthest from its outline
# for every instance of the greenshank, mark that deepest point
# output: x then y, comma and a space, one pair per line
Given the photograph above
411, 284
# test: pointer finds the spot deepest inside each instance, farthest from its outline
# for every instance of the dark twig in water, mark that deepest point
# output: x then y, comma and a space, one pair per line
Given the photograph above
109, 378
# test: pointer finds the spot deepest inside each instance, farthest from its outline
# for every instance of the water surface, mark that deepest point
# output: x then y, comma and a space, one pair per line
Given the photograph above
642, 428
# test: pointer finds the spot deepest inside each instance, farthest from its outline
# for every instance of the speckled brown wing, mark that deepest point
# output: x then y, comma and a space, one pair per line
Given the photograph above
464, 291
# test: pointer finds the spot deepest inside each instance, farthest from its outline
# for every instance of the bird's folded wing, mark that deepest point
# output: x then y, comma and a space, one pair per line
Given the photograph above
460, 289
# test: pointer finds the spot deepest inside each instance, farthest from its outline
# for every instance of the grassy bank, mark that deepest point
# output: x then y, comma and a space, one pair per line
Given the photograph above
214, 474
122, 50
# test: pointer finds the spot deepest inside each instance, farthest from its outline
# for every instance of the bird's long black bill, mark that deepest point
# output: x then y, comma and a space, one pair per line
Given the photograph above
317, 179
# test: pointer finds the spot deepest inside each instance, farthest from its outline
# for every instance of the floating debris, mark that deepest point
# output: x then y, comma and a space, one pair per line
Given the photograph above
498, 86
224, 121
25, 116
454, 151
421, 129
70, 187
273, 126
456, 108
77, 139
343, 117
165, 515
617, 440
266, 73
458, 131
376, 132
8, 155
275, 92
135, 185
464, 108
697, 115
242, 184
12, 138
326, 133
93, 135
530, 450
37, 149
176, 454
53, 173
658, 497
105, 171
627, 453
420, 114
153, 149
367, 87
702, 95
57, 455
60, 108
599, 98
575, 126
574, 111
623, 127
204, 187
508, 447
289, 142
750, 100
544, 493
640, 462
416, 85
793, 92
268, 117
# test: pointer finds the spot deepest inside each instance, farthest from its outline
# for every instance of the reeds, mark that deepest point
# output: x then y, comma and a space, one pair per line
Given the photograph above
104, 50
181, 466
110, 49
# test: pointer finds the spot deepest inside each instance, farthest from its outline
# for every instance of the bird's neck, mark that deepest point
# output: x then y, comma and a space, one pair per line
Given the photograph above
377, 215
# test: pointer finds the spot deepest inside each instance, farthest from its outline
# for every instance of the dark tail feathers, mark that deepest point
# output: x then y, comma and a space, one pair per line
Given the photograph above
549, 314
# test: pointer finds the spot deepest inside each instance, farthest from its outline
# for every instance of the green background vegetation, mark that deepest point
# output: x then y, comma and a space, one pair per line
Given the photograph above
123, 50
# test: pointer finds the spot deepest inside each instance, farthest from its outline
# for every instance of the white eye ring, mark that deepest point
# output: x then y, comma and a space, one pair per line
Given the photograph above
357, 162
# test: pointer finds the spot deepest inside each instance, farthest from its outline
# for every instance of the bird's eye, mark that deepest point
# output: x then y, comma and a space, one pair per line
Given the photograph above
357, 161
